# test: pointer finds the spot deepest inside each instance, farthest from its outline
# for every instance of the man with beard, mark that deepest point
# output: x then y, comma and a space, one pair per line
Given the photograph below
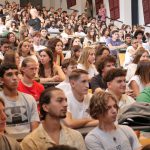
53, 108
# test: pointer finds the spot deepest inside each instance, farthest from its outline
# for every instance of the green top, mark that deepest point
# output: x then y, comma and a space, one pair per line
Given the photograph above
144, 96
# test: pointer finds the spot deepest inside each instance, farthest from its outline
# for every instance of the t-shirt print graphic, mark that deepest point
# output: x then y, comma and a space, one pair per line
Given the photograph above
16, 115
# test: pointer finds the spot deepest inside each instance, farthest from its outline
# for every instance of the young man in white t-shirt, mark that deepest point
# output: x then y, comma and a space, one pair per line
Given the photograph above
68, 65
78, 100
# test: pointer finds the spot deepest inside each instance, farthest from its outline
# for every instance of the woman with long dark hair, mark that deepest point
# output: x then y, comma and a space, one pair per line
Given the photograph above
56, 45
48, 70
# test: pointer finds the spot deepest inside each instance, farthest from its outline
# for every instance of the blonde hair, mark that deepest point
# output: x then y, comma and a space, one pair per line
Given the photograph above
83, 59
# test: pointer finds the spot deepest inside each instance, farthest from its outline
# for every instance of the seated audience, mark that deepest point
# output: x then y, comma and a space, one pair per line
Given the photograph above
91, 38
144, 96
4, 46
68, 65
13, 42
44, 36
142, 77
24, 51
53, 108
116, 84
27, 84
139, 36
103, 65
128, 39
105, 35
101, 51
56, 46
79, 31
114, 43
108, 135
6, 142
86, 61
74, 42
140, 55
130, 52
78, 100
36, 41
20, 108
11, 57
48, 70
147, 44
76, 52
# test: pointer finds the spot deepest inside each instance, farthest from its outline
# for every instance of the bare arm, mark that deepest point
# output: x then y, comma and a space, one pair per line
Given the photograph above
34, 125
59, 72
133, 85
111, 47
75, 123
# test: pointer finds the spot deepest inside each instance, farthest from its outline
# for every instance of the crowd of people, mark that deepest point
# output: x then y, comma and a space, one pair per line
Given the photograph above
80, 56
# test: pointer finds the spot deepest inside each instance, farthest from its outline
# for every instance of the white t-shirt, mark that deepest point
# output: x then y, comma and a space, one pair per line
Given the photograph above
65, 86
131, 69
92, 70
138, 81
38, 48
129, 56
20, 113
123, 138
76, 108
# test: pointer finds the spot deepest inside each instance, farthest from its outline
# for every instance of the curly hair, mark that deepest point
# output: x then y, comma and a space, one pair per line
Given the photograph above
114, 73
52, 43
102, 61
98, 103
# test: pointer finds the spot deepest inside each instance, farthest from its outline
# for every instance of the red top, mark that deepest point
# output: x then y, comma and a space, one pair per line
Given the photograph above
35, 90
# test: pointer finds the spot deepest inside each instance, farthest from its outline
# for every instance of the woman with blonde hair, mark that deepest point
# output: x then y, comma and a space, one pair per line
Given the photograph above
87, 60
24, 50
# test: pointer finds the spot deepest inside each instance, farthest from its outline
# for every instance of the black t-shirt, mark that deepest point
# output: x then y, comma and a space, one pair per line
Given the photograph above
98, 82
35, 23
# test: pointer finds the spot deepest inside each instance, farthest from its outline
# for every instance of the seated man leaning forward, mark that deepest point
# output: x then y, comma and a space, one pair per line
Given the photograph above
53, 108
20, 108
78, 101
116, 84
107, 135
6, 143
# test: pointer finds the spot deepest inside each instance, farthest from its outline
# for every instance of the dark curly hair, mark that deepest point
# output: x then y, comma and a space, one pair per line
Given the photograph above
52, 43
113, 73
102, 61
